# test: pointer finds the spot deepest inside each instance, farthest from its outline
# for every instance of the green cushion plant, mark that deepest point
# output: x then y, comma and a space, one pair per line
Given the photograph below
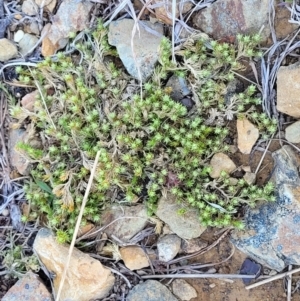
149, 144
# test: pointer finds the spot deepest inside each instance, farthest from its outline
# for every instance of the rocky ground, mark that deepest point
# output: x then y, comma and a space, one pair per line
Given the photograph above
128, 255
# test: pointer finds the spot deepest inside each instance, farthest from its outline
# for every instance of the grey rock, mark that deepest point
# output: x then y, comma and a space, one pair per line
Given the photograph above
168, 247
125, 221
292, 132
18, 161
183, 290
227, 18
27, 43
186, 226
30, 287
288, 90
145, 43
8, 50
272, 235
179, 87
150, 290
30, 8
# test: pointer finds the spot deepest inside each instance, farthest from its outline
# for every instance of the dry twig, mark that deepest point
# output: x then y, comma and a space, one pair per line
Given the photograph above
77, 226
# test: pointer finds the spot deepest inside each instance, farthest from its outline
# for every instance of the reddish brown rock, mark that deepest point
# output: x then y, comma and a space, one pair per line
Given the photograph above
30, 287
72, 16
224, 19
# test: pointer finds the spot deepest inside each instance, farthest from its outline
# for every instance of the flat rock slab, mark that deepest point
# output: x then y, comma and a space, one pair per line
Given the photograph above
288, 90
86, 277
272, 235
145, 52
123, 221
186, 226
224, 19
150, 290
30, 287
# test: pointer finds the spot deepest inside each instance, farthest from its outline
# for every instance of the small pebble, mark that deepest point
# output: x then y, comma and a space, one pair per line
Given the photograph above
272, 273
18, 36
212, 285
5, 212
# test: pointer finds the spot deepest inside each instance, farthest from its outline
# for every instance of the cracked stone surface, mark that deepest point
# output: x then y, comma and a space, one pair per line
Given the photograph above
272, 235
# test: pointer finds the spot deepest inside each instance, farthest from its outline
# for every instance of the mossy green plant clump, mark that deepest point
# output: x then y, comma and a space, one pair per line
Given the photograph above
149, 144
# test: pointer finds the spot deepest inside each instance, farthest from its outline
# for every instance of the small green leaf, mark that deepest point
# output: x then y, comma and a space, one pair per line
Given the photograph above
44, 186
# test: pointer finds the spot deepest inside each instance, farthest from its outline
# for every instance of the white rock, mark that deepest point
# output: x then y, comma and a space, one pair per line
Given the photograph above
168, 247
247, 135
221, 162
292, 132
86, 278
7, 50
18, 36
27, 43
183, 290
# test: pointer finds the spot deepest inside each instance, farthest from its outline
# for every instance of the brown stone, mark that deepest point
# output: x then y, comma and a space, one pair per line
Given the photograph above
221, 162
282, 25
247, 135
86, 277
134, 257
28, 100
288, 90
30, 287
